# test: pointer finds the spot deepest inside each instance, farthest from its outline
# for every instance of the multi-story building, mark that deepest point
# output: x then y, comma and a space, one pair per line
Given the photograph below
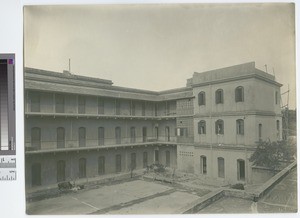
77, 127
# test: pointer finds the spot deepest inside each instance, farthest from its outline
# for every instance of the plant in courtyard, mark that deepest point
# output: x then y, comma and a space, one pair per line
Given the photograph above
272, 154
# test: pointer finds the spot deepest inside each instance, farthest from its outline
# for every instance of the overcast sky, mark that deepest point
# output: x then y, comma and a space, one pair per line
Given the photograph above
158, 47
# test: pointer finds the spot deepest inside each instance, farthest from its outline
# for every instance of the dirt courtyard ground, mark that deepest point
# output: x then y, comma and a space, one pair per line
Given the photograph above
131, 197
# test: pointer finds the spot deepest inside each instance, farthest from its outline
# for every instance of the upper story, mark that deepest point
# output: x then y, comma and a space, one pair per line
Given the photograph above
65, 94
237, 90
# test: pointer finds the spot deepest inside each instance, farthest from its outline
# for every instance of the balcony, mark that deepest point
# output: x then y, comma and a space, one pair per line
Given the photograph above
103, 116
45, 146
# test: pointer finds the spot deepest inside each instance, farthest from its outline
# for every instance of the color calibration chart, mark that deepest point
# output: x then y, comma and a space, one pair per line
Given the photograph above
7, 117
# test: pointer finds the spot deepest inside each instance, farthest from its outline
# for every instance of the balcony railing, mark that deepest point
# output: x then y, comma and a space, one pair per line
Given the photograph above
50, 145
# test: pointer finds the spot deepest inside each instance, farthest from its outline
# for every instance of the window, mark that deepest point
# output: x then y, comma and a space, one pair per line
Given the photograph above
221, 167
219, 96
203, 166
35, 102
239, 94
82, 137
240, 127
168, 159
100, 106
36, 174
82, 168
36, 138
132, 135
182, 132
118, 135
81, 105
167, 133
118, 107
101, 165
118, 163
201, 98
276, 97
59, 103
202, 127
60, 137
61, 169
145, 159
259, 131
101, 136
219, 127
133, 161
144, 134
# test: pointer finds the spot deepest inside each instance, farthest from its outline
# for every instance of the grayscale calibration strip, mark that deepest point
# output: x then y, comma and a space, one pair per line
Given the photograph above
7, 105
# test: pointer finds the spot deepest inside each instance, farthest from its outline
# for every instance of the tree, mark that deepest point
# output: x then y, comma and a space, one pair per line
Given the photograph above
272, 154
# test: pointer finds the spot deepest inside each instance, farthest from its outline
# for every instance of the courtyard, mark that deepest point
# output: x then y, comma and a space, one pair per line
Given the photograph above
130, 197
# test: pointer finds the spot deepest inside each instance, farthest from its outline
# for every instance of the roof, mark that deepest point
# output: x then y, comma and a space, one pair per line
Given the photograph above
49, 81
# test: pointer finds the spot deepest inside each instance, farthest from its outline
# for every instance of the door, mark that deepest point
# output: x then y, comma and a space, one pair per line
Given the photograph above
168, 158
241, 170
167, 133
144, 134
36, 175
101, 165
82, 137
61, 169
60, 137
156, 156
36, 138
221, 167
101, 136
82, 168
133, 161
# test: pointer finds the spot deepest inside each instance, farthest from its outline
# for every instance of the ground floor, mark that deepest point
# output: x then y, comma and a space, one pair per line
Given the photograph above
44, 169
228, 164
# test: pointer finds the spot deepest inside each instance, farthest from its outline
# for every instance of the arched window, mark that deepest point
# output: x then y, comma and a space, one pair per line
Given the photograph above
240, 127
221, 167
36, 138
203, 165
60, 137
201, 98
219, 127
219, 96
239, 94
202, 127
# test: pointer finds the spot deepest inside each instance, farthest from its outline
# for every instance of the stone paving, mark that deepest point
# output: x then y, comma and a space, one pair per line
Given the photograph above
128, 197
